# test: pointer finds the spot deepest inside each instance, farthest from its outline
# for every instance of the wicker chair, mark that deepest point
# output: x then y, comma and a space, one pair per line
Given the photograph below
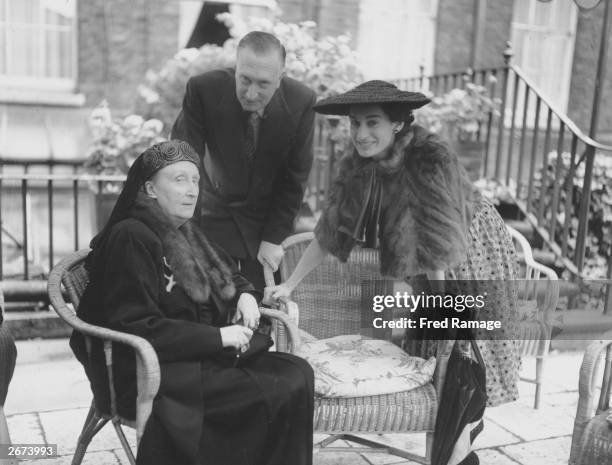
72, 274
326, 304
592, 435
539, 285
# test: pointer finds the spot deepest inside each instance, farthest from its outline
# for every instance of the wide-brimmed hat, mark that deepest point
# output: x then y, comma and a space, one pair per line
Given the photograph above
370, 92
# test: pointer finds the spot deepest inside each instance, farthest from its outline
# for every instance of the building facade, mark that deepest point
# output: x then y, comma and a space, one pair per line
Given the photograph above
60, 58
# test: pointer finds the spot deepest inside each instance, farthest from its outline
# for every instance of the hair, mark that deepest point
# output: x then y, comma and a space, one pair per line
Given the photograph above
399, 113
263, 42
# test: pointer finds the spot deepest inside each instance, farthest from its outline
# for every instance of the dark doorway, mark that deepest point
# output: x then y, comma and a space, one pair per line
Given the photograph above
207, 29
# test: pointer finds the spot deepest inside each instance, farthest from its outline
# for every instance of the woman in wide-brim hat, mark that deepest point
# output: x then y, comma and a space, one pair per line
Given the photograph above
405, 192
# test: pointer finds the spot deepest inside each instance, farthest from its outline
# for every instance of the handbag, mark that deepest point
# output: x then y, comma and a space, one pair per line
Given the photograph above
259, 343
462, 405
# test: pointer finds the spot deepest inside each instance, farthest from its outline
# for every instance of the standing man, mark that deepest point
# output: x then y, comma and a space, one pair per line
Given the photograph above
252, 128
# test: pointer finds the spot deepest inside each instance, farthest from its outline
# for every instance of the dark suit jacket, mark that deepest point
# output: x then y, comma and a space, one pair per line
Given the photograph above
242, 205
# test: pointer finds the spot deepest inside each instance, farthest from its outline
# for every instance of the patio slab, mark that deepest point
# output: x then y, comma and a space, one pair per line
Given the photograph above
49, 399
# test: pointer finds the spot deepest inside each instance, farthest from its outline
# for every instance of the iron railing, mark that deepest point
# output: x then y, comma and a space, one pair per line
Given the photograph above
48, 207
533, 149
46, 210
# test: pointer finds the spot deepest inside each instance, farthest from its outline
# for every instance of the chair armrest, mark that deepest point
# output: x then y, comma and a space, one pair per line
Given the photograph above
294, 335
550, 296
291, 309
147, 364
443, 353
547, 300
547, 296
286, 305
587, 388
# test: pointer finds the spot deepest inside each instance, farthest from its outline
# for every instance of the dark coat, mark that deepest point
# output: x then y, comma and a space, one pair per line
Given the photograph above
425, 213
136, 292
240, 205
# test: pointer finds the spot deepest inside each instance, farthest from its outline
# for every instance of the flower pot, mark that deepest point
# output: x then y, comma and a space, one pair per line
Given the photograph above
104, 202
470, 154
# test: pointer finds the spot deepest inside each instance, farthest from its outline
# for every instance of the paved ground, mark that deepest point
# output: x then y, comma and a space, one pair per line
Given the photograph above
49, 397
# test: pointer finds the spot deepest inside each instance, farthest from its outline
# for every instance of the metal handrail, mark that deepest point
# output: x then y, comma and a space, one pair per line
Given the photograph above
559, 114
47, 162
63, 177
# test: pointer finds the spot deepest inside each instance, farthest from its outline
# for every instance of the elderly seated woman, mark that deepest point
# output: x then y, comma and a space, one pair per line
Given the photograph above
154, 274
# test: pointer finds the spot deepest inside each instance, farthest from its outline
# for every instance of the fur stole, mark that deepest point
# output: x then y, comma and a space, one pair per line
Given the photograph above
197, 265
426, 207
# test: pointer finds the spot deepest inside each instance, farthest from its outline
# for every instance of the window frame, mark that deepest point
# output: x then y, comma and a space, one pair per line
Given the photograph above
426, 62
182, 32
566, 62
40, 83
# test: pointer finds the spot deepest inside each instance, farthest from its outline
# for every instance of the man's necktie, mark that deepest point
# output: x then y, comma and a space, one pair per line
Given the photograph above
250, 138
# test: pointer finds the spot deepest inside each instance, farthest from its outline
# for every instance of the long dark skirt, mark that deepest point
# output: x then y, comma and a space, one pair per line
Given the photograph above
258, 414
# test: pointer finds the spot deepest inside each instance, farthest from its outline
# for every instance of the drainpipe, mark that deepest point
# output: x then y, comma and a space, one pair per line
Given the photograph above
480, 13
316, 16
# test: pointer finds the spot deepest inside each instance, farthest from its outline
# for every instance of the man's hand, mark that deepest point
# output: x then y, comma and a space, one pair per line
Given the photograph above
247, 310
270, 254
273, 293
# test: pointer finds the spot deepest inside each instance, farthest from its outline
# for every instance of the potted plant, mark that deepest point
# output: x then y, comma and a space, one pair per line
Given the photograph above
115, 146
458, 117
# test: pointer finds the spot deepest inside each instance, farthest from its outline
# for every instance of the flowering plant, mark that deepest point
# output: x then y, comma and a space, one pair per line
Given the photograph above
599, 226
326, 65
117, 143
459, 114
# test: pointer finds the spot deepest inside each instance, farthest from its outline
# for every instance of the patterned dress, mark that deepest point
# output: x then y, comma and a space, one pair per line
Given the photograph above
491, 266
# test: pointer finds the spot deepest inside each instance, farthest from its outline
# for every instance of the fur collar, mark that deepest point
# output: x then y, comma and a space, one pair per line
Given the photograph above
194, 261
426, 206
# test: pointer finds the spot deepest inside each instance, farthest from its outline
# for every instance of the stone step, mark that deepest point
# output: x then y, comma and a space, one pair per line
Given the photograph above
568, 289
579, 328
28, 325
34, 290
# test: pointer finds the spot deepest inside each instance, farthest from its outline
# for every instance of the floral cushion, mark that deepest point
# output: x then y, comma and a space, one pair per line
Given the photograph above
354, 366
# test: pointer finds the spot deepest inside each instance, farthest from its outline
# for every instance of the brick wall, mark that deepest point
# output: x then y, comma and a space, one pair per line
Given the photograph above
584, 67
454, 30
295, 11
338, 17
456, 27
118, 42
497, 32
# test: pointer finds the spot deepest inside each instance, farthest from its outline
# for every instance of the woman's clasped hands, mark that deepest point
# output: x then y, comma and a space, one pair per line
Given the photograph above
246, 320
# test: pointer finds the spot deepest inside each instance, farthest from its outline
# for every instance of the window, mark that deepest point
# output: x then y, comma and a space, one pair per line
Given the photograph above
38, 44
385, 29
543, 42
197, 23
